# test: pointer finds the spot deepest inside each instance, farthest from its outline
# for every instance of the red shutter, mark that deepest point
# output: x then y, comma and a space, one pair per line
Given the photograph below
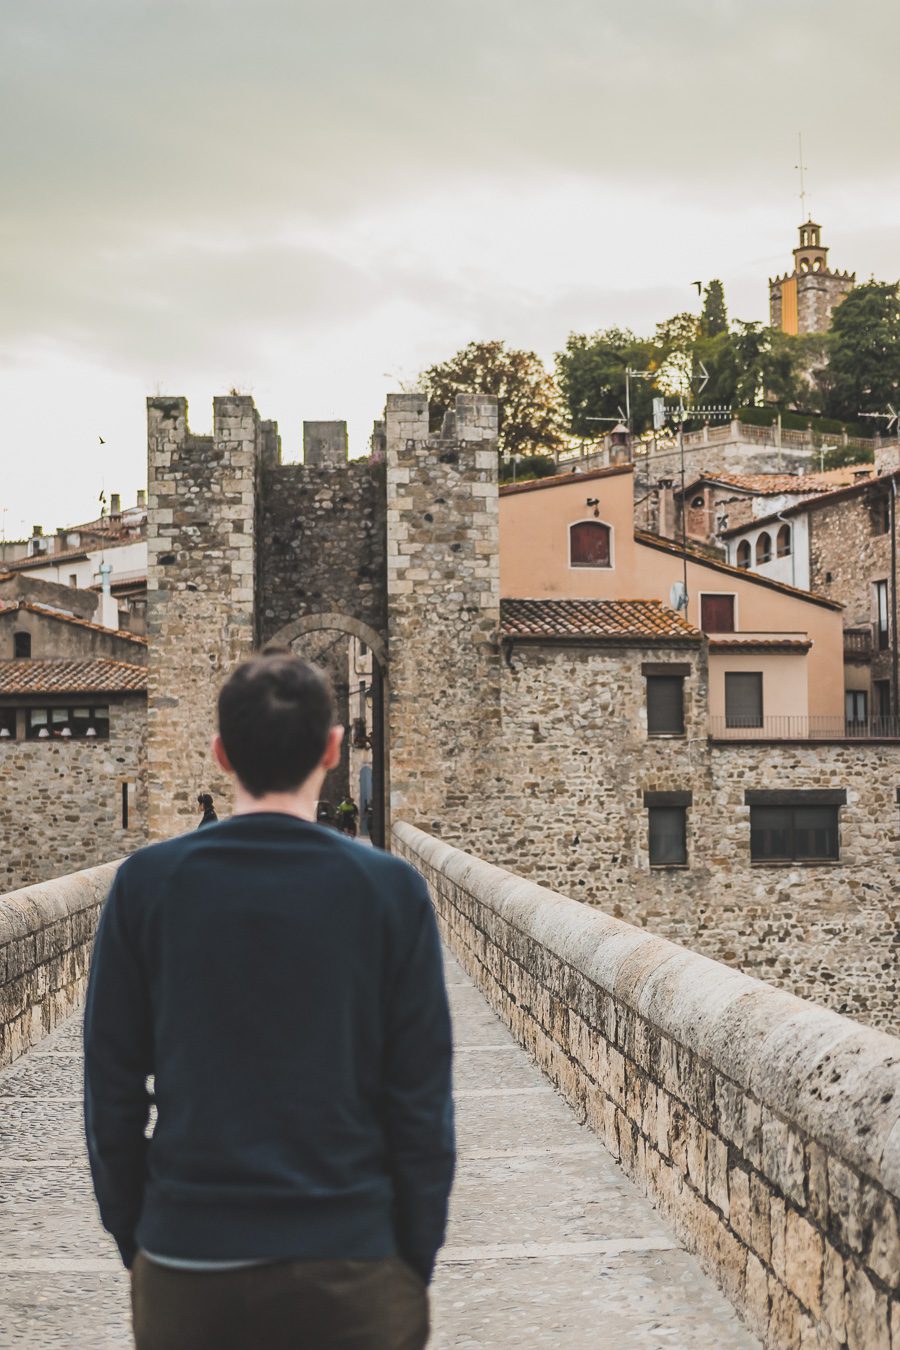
717, 613
589, 544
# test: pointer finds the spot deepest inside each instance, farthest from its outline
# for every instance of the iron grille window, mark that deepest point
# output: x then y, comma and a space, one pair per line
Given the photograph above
743, 698
795, 833
668, 836
665, 705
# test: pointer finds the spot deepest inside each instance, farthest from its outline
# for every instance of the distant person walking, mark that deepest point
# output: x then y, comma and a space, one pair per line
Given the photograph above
205, 802
284, 987
348, 816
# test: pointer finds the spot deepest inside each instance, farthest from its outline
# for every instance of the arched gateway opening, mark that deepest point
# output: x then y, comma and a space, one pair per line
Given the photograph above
354, 657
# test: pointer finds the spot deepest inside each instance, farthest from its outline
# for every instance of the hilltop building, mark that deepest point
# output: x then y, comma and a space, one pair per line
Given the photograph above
803, 301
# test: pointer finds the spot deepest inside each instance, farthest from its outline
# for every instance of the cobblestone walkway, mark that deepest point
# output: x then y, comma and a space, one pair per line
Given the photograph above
549, 1244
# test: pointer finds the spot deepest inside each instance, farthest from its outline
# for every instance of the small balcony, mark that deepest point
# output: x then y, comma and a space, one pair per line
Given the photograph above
858, 644
793, 728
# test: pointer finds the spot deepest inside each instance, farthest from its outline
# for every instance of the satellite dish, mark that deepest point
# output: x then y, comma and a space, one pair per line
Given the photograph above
678, 596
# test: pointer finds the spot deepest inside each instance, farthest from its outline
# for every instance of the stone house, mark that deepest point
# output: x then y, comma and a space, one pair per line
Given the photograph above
715, 502
73, 723
111, 549
843, 545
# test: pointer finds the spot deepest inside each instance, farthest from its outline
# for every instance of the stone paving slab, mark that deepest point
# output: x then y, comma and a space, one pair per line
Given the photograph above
549, 1244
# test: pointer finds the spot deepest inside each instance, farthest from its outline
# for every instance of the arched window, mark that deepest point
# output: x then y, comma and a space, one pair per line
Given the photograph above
22, 644
763, 548
589, 544
743, 553
783, 542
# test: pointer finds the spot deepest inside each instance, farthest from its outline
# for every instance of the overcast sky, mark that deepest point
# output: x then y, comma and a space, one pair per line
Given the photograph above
311, 200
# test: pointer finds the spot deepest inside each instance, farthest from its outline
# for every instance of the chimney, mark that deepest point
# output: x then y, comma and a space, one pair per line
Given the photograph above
142, 499
37, 531
115, 504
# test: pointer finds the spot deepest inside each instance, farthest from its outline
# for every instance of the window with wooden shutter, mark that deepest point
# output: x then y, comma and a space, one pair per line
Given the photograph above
667, 836
717, 613
589, 544
665, 705
743, 698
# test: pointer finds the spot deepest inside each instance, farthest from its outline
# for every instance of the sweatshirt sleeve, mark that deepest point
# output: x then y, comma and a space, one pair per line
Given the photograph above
419, 1096
118, 1056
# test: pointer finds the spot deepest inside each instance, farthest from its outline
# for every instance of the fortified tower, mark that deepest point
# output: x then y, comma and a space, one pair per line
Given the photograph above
803, 301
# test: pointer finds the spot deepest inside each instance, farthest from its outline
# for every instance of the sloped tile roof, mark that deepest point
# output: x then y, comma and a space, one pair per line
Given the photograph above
563, 479
778, 484
595, 620
50, 613
656, 541
95, 675
752, 644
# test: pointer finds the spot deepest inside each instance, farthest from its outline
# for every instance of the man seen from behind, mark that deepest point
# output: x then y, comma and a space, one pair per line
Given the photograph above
284, 987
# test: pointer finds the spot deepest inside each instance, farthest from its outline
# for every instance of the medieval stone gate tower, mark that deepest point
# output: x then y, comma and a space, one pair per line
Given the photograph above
403, 554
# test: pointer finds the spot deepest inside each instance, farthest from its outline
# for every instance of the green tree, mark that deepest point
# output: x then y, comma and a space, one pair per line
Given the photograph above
590, 372
863, 372
529, 403
714, 318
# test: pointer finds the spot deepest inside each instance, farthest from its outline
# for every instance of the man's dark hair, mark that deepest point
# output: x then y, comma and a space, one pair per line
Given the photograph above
275, 713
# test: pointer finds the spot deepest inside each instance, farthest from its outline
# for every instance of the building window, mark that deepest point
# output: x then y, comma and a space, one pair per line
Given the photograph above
763, 548
7, 724
882, 692
125, 806
743, 554
856, 708
21, 645
73, 578
783, 542
881, 615
717, 613
665, 705
795, 826
743, 698
881, 515
667, 828
78, 723
589, 544
697, 502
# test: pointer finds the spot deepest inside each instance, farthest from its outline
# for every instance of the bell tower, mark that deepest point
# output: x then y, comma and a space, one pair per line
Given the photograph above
804, 300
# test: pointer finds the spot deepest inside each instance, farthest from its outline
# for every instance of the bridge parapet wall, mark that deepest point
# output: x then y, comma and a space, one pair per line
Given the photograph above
46, 932
765, 1128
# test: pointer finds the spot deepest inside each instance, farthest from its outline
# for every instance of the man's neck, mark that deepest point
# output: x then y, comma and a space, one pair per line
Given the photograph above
300, 803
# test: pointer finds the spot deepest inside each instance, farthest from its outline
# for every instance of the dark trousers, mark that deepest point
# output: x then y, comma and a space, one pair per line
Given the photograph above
292, 1305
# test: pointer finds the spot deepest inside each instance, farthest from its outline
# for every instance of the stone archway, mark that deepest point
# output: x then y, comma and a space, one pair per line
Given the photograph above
332, 621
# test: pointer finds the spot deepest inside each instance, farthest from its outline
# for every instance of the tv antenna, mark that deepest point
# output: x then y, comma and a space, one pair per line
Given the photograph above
801, 167
891, 417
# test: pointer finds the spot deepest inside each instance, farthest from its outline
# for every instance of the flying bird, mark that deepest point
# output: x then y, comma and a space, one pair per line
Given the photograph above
699, 285
101, 440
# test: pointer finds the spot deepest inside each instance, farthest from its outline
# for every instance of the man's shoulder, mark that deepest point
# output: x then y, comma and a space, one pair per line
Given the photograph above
386, 873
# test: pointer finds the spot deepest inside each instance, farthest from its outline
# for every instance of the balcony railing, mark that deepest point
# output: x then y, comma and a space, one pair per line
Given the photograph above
789, 728
858, 642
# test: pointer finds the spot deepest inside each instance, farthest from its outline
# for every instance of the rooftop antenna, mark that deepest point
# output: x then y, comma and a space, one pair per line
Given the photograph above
802, 169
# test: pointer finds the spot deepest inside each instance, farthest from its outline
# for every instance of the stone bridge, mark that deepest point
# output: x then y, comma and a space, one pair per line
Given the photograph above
719, 1164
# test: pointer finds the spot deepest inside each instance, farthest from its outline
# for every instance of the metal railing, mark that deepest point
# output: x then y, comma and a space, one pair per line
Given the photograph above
858, 642
795, 728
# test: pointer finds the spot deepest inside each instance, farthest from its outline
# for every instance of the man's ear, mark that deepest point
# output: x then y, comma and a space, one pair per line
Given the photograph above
219, 755
332, 756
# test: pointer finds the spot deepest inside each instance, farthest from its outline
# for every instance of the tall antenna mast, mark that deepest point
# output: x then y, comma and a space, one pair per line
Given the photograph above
802, 167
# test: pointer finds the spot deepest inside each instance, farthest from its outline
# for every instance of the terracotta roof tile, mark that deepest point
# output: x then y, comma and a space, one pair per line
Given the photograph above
562, 479
596, 620
95, 675
68, 554
778, 484
50, 613
752, 644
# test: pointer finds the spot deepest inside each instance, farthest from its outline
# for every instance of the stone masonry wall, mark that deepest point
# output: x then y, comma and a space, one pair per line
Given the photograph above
846, 556
46, 933
322, 544
765, 1129
200, 604
564, 805
443, 607
61, 804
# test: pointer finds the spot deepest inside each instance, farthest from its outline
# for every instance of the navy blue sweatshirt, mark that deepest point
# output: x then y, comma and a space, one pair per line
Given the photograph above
284, 987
